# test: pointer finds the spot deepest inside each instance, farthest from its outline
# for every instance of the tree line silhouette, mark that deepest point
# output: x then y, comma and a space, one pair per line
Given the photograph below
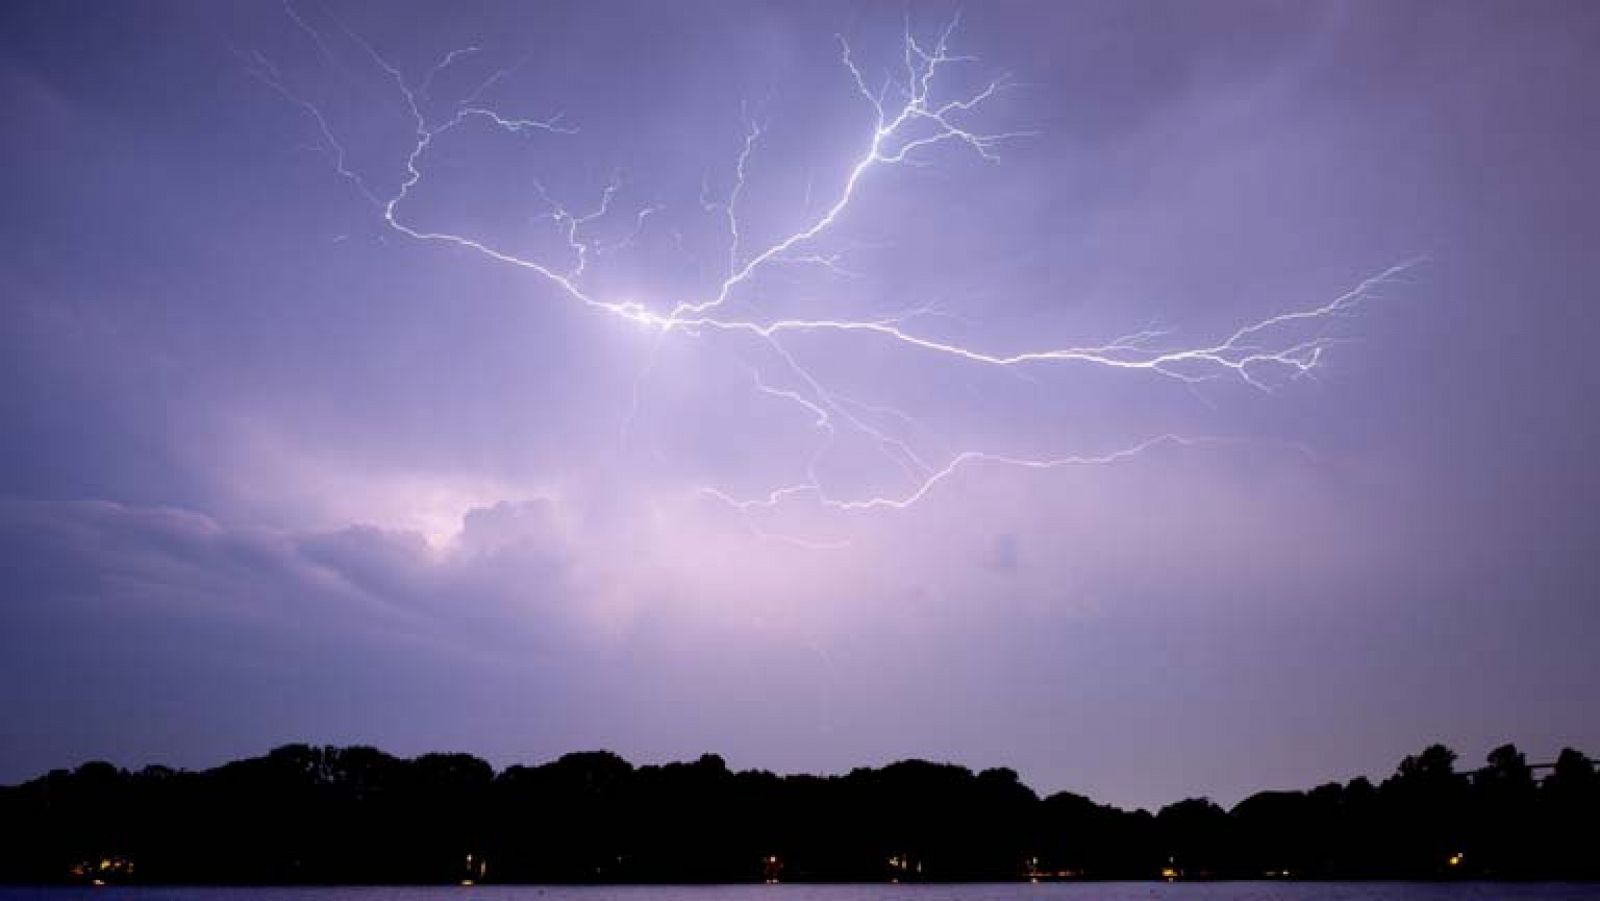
305, 814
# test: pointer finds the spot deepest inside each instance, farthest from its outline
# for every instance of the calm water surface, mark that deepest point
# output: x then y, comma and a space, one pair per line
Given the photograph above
1141, 891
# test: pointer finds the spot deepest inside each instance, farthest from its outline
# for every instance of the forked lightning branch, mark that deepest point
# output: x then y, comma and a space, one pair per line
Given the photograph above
913, 119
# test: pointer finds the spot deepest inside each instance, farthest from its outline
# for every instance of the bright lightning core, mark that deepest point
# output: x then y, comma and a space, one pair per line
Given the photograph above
915, 117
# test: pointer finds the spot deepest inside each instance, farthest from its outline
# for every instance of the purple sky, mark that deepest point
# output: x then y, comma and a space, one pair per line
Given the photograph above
275, 470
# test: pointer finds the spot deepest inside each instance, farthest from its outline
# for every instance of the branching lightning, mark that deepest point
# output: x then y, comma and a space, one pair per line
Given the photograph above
911, 116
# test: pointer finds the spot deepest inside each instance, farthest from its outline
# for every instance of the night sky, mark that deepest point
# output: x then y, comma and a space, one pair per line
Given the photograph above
521, 378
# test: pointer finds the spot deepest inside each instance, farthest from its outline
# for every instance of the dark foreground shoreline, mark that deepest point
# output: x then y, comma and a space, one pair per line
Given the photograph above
1245, 890
309, 816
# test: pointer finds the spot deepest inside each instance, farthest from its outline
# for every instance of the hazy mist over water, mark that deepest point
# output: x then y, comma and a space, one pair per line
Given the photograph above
1124, 891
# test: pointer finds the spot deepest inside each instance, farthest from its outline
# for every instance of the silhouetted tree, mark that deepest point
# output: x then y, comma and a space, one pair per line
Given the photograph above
1569, 816
1424, 802
1196, 836
1504, 841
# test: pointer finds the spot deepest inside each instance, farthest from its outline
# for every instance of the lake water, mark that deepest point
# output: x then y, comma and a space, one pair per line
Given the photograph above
1125, 891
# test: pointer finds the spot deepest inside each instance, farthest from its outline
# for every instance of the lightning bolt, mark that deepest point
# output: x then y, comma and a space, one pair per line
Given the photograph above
911, 117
